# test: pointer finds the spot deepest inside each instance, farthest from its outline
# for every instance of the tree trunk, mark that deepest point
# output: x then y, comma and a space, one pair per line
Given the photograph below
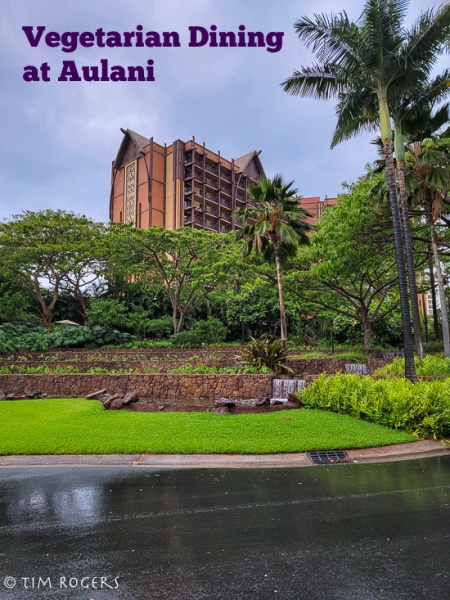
410, 260
178, 321
367, 329
437, 331
410, 370
46, 318
440, 282
280, 294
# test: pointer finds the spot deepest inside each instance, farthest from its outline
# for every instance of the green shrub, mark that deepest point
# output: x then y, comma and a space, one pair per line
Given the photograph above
422, 409
203, 333
35, 338
430, 365
159, 328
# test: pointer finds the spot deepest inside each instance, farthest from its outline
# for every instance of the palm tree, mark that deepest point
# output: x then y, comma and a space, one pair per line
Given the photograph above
429, 179
410, 112
368, 58
274, 227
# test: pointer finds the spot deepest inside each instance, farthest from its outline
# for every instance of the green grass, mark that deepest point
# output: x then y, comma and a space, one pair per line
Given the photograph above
78, 426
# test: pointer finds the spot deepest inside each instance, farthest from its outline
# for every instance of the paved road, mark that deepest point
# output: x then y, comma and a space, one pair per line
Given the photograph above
340, 532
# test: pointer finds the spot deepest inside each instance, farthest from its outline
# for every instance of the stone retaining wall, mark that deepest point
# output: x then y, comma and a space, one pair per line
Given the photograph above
162, 386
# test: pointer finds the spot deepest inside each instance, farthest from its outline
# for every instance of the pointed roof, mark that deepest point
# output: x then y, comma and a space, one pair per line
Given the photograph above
244, 163
130, 137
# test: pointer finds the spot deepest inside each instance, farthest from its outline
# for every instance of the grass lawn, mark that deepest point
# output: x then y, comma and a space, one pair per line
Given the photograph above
78, 426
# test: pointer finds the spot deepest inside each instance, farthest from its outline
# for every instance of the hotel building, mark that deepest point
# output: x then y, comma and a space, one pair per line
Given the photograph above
184, 184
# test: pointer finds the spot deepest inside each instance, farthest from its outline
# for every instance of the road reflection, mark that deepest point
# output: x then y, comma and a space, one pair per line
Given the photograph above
339, 532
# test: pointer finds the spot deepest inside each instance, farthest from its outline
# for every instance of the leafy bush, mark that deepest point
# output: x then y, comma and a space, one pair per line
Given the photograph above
159, 328
35, 338
264, 352
211, 331
430, 365
422, 409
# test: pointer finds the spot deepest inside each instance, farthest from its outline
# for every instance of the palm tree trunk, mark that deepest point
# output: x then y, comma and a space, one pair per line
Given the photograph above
437, 331
440, 282
410, 370
410, 260
280, 293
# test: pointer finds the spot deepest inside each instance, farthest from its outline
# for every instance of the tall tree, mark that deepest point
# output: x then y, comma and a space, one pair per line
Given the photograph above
47, 251
188, 264
274, 228
429, 170
349, 268
369, 57
406, 109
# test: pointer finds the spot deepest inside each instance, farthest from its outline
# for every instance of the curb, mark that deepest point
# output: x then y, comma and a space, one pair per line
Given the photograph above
398, 452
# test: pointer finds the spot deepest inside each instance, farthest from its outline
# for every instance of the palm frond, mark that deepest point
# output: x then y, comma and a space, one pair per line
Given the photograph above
318, 81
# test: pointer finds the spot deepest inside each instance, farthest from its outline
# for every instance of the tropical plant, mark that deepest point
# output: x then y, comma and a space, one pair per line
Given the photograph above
371, 57
428, 167
422, 409
274, 227
264, 352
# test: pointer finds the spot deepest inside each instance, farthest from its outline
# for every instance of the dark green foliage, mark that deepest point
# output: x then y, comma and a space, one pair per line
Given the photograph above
422, 409
264, 352
34, 338
211, 331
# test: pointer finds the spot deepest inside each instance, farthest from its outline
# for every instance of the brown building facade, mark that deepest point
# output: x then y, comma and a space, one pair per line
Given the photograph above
316, 207
183, 184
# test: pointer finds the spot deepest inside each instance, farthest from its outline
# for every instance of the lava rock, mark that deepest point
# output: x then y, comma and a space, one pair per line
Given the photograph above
263, 402
96, 395
130, 397
221, 402
107, 404
294, 398
2, 395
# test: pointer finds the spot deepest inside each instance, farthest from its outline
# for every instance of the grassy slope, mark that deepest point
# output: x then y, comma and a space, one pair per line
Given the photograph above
74, 426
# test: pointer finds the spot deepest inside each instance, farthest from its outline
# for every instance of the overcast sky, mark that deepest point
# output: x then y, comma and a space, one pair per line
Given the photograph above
59, 138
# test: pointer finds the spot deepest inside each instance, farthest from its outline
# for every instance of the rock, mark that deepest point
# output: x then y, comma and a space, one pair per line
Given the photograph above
111, 398
96, 395
2, 395
277, 403
263, 402
9, 397
289, 404
224, 402
130, 397
221, 410
115, 403
34, 394
294, 398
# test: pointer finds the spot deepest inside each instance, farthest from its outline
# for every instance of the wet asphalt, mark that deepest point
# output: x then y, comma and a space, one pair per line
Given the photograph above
338, 532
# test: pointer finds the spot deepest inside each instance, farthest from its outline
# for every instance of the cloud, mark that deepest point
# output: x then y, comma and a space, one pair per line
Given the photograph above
61, 137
